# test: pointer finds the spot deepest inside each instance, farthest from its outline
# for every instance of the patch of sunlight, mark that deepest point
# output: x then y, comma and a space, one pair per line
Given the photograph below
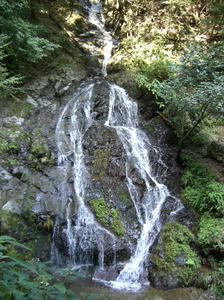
72, 18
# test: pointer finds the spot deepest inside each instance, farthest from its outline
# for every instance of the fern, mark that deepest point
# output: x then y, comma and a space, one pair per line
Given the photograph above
30, 280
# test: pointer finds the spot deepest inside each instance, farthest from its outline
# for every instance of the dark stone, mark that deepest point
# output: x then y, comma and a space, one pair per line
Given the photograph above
216, 151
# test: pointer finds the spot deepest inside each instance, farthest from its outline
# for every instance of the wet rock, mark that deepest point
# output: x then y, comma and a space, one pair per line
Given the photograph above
104, 157
169, 206
174, 262
30, 100
13, 121
12, 207
163, 153
109, 272
4, 175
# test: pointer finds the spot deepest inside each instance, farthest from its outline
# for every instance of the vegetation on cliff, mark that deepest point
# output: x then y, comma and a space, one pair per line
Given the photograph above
186, 86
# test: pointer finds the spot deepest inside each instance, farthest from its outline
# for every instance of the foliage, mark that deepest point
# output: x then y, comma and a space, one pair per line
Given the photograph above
210, 233
201, 190
194, 91
8, 84
215, 18
21, 279
217, 285
149, 74
28, 42
148, 29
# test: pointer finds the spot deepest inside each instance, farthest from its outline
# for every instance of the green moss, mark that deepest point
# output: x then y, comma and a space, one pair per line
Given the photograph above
11, 140
101, 159
123, 196
116, 223
21, 109
7, 146
47, 225
101, 210
39, 154
108, 217
176, 242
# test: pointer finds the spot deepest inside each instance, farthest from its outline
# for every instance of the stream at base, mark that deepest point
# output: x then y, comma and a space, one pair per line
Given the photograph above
86, 288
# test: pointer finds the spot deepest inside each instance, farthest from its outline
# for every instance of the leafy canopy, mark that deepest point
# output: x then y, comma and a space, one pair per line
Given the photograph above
28, 42
194, 90
8, 84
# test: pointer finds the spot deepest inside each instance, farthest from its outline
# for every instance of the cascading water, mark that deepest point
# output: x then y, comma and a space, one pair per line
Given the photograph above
124, 119
83, 233
99, 22
86, 234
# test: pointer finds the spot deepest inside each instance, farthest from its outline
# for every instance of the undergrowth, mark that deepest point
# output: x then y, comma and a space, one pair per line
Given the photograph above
201, 189
31, 280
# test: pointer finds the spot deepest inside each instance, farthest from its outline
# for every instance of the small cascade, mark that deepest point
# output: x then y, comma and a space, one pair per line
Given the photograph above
85, 237
123, 118
96, 18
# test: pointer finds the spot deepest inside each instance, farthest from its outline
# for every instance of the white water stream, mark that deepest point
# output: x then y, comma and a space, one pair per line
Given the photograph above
86, 234
96, 18
123, 117
75, 120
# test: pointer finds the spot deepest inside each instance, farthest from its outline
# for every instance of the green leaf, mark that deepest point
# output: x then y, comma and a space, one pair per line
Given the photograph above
60, 287
190, 262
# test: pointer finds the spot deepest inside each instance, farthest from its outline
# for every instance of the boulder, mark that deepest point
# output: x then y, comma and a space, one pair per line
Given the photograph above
173, 260
216, 151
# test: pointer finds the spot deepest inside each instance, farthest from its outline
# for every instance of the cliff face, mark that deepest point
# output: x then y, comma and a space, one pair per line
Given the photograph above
30, 178
31, 182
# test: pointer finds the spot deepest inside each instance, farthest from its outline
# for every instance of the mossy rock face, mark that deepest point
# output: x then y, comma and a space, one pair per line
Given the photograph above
107, 194
17, 146
39, 154
173, 261
109, 217
13, 139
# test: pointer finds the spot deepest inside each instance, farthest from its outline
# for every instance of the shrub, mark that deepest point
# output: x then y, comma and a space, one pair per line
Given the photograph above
8, 83
211, 233
201, 190
31, 280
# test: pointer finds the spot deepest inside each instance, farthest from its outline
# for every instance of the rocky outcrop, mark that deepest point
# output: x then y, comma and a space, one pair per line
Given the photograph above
216, 151
174, 262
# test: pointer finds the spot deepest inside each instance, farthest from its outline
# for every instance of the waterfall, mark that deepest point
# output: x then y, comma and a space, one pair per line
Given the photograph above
124, 119
97, 19
83, 233
86, 235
